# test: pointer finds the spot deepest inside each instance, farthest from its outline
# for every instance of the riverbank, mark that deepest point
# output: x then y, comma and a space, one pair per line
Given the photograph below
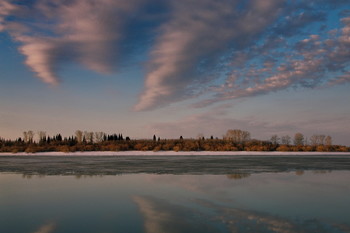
170, 153
196, 163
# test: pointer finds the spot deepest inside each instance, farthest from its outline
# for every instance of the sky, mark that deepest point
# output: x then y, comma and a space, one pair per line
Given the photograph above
175, 67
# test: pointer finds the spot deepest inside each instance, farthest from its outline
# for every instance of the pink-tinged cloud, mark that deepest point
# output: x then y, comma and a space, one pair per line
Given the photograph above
40, 57
85, 32
196, 32
314, 62
6, 9
193, 45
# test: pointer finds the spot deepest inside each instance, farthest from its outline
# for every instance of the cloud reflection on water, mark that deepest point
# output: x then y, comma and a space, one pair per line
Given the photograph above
47, 228
268, 202
163, 216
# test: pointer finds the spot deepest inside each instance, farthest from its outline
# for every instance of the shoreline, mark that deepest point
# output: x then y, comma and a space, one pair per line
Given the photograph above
171, 153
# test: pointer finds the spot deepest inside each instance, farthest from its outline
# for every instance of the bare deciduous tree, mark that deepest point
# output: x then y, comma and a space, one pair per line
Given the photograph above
328, 141
41, 135
99, 136
28, 136
317, 140
25, 136
298, 139
274, 139
321, 139
285, 140
237, 135
89, 136
79, 136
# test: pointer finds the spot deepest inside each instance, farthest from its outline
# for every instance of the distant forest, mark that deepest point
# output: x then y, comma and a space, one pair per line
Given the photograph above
233, 140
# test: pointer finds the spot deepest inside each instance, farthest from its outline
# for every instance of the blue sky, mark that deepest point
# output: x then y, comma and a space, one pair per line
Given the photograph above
171, 68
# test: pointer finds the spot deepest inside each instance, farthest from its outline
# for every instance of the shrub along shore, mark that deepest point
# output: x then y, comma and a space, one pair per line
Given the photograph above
233, 140
162, 145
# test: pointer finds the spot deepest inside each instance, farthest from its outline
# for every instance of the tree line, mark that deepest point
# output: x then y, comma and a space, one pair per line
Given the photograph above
232, 140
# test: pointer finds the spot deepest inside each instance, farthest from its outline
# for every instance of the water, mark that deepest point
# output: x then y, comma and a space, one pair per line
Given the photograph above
251, 197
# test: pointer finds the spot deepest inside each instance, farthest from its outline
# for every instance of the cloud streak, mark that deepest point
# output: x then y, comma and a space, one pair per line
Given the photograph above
191, 42
85, 32
212, 51
313, 62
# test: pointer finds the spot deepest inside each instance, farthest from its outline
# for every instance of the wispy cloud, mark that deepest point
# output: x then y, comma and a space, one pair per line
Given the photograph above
54, 32
198, 48
314, 62
192, 41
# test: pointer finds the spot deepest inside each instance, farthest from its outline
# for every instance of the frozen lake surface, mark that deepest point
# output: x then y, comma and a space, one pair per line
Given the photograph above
170, 164
153, 194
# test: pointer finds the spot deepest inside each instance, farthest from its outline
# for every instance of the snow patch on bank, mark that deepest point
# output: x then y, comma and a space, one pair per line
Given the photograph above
169, 153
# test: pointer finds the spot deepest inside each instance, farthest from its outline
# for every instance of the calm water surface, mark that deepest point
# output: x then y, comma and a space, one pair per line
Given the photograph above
282, 202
